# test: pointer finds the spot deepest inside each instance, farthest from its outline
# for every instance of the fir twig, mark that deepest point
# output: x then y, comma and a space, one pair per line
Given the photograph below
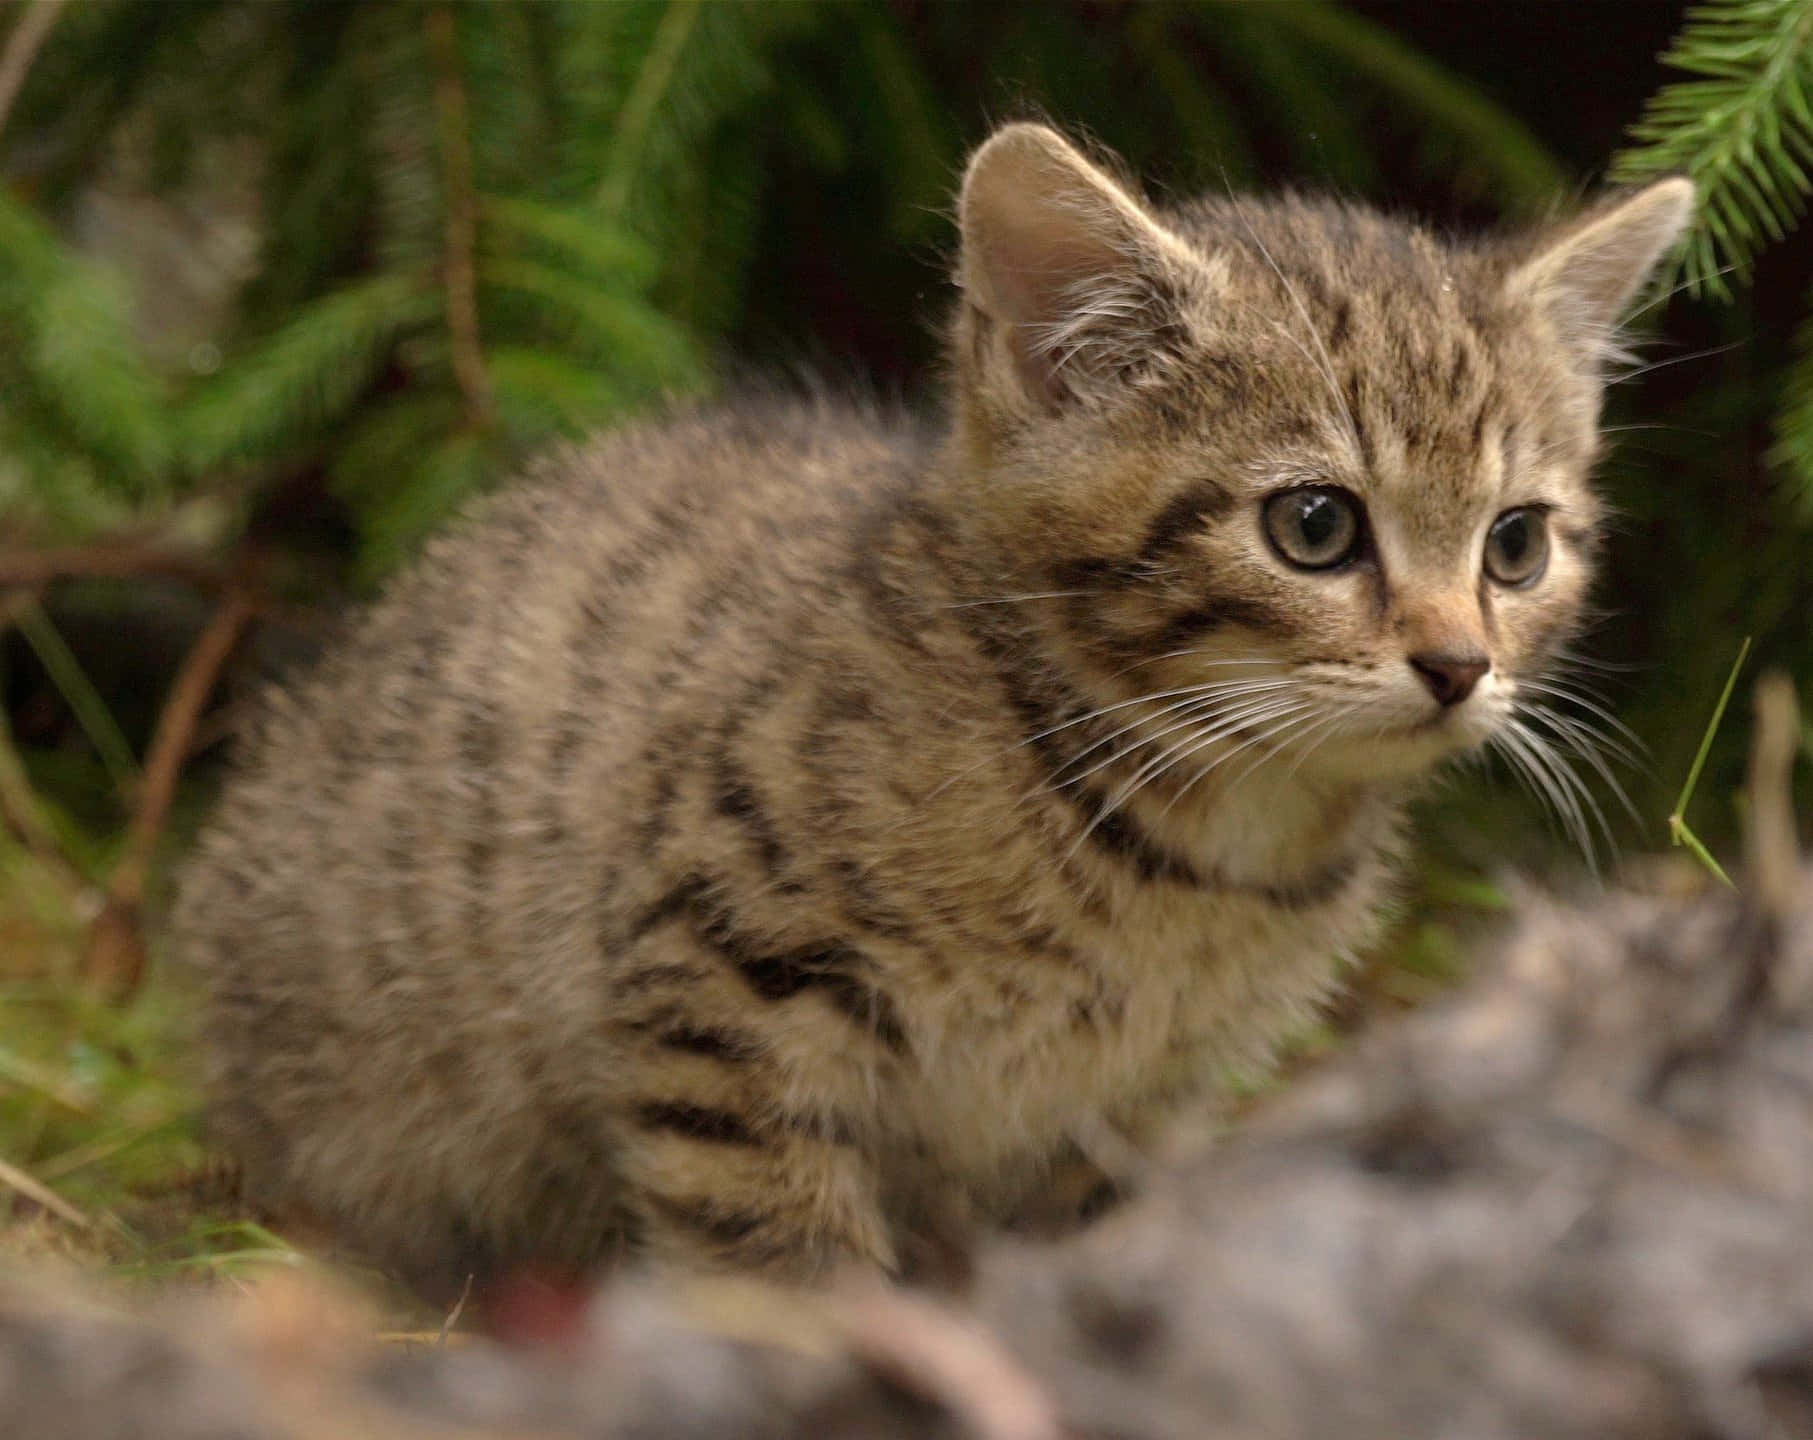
459, 273
644, 103
1742, 130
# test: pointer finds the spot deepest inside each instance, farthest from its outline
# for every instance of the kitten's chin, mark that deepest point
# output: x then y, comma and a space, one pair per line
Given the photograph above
1403, 752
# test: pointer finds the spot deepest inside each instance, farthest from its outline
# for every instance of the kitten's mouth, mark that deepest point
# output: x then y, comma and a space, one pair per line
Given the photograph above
1433, 724
1457, 727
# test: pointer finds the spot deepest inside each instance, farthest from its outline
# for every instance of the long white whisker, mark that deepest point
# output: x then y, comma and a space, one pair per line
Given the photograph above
1654, 365
1665, 296
1326, 730
1288, 722
1576, 696
1175, 654
1582, 743
1017, 599
1196, 707
1268, 752
1083, 719
1220, 726
1511, 745
1582, 732
1560, 785
1153, 768
1564, 773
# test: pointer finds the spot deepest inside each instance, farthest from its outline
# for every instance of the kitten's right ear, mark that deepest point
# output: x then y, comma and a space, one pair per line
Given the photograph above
1064, 261
1589, 274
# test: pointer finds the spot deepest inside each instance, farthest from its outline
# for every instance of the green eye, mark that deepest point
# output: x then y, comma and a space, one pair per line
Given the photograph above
1314, 527
1517, 546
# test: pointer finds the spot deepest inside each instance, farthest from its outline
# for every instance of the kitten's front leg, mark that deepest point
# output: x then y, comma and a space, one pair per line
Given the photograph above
709, 1196
1107, 1160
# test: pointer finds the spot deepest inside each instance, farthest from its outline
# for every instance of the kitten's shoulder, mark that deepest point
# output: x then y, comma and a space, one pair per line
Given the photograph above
751, 446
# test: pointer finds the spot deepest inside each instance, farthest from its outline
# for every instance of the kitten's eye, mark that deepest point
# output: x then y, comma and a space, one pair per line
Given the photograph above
1517, 546
1316, 527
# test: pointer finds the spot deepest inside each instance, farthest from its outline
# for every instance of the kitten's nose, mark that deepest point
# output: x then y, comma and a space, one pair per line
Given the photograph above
1450, 678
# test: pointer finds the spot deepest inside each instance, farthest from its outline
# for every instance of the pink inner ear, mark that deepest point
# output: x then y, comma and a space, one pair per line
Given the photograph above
1595, 271
1060, 254
1037, 263
1046, 261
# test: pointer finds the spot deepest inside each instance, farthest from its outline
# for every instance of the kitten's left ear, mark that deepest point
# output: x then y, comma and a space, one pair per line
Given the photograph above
1589, 274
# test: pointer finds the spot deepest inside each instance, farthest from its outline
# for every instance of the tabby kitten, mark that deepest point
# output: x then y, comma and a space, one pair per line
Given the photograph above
762, 831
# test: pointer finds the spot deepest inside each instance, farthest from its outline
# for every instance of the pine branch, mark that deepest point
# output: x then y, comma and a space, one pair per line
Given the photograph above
635, 339
1742, 131
540, 395
73, 357
307, 375
574, 234
644, 101
410, 208
436, 486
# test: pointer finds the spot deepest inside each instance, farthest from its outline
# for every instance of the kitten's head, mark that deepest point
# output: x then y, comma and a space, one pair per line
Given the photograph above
1323, 458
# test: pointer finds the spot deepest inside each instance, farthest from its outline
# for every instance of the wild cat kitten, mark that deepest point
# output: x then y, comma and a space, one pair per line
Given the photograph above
760, 831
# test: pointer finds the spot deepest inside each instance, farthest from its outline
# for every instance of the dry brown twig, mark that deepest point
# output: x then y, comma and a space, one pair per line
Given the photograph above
118, 559
115, 958
1774, 853
24, 41
41, 1194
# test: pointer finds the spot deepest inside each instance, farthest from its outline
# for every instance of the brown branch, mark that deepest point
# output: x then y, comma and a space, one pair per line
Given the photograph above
116, 947
22, 45
113, 560
459, 271
1773, 853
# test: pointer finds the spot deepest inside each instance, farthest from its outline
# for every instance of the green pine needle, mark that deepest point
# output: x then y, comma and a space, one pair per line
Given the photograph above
286, 390
1742, 130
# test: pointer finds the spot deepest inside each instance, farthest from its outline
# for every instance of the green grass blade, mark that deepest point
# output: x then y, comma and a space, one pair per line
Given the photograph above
78, 692
1678, 831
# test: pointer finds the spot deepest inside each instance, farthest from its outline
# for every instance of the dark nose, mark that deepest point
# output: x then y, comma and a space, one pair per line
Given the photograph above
1450, 678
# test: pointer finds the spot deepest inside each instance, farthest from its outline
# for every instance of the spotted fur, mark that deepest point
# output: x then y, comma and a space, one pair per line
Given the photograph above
757, 833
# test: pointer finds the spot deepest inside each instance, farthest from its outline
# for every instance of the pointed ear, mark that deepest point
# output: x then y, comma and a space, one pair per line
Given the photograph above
1062, 261
1589, 273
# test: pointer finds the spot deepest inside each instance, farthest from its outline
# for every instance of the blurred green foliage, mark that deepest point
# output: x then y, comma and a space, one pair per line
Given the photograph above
469, 229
